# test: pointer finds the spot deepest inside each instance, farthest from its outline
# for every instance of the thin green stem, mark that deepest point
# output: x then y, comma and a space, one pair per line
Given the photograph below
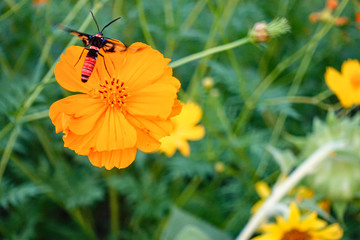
220, 21
298, 99
193, 15
35, 116
209, 52
144, 26
170, 24
114, 212
250, 103
7, 152
13, 9
188, 191
304, 65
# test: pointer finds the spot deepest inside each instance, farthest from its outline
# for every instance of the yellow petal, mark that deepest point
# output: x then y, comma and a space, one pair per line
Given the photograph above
262, 189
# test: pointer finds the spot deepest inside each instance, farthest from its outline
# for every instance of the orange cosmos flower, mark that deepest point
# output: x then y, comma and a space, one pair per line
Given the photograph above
125, 106
346, 85
185, 128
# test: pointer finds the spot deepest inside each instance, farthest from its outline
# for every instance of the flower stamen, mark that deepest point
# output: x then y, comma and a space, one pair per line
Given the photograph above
113, 93
295, 234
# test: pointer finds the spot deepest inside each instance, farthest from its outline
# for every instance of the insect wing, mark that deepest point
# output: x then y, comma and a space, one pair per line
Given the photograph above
113, 45
83, 36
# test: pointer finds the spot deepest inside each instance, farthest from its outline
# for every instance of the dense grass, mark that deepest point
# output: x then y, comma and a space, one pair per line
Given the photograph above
263, 93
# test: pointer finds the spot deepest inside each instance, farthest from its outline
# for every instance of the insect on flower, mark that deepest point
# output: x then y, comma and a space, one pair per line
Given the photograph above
95, 43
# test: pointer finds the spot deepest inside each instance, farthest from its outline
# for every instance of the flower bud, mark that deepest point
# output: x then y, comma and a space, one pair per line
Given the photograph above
263, 32
208, 83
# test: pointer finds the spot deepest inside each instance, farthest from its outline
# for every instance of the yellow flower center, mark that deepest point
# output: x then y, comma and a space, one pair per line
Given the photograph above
114, 92
355, 80
295, 234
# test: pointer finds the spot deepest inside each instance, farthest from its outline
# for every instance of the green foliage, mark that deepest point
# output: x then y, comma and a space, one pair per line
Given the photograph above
264, 94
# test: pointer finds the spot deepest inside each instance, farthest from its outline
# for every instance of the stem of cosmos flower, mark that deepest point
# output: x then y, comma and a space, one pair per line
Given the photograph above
279, 191
7, 152
144, 25
250, 103
114, 212
304, 65
299, 76
208, 52
13, 8
298, 99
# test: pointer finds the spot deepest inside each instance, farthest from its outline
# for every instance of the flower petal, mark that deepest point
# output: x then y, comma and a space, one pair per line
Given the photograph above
68, 70
155, 100
350, 68
155, 127
116, 158
146, 143
82, 113
339, 86
116, 132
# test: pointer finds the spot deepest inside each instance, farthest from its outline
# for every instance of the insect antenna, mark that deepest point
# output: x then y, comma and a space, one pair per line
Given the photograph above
95, 20
110, 23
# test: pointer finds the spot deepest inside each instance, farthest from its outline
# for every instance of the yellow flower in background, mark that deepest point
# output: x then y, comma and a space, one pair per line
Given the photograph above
346, 85
264, 191
310, 228
184, 128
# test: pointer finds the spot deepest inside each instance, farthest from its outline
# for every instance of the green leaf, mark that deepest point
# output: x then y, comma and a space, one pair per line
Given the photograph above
285, 159
184, 226
339, 208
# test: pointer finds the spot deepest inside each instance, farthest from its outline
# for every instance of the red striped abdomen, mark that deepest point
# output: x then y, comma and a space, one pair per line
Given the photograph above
89, 64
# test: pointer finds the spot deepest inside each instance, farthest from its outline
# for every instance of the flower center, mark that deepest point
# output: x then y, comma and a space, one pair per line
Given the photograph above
355, 80
114, 92
295, 234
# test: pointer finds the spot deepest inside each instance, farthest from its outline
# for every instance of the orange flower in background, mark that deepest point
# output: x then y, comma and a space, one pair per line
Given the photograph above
346, 85
185, 128
326, 14
121, 109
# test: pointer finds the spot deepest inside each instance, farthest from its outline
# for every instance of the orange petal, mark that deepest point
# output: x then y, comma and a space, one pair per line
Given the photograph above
146, 143
82, 111
155, 127
67, 74
143, 67
176, 109
116, 132
154, 100
116, 158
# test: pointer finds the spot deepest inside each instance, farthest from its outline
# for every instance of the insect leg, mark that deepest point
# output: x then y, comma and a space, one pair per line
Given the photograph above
105, 64
80, 56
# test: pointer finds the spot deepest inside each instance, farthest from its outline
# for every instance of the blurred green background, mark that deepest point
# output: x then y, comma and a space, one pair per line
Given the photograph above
49, 192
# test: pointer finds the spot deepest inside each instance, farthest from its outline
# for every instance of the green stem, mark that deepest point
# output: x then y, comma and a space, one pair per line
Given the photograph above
208, 52
188, 191
13, 9
298, 99
8, 149
304, 65
114, 212
144, 26
250, 103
